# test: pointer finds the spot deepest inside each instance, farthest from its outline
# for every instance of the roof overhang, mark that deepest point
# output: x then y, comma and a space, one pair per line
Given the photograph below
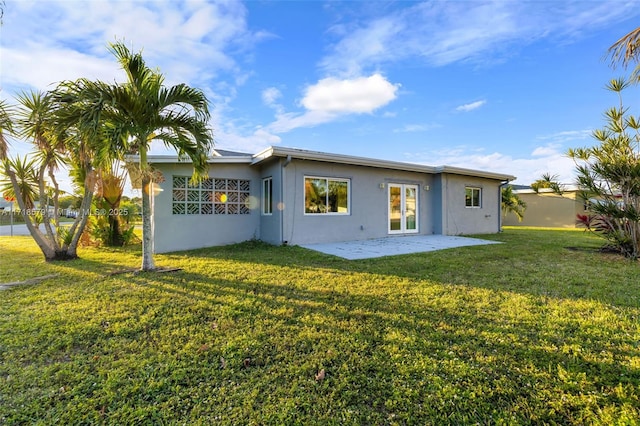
174, 159
302, 154
476, 173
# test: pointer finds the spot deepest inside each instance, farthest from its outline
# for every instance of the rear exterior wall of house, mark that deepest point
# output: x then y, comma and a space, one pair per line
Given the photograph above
462, 216
368, 210
296, 201
215, 212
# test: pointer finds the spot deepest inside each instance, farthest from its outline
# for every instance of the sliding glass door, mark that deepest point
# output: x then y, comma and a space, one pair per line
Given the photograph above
403, 208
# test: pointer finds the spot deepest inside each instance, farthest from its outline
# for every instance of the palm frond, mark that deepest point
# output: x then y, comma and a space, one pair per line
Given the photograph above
25, 171
625, 49
6, 125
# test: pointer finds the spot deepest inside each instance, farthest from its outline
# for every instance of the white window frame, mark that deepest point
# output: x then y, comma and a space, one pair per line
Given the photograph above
328, 179
473, 188
267, 196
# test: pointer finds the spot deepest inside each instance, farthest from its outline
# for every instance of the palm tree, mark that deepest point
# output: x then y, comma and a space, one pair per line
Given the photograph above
36, 121
548, 181
110, 187
25, 171
609, 172
511, 202
142, 110
625, 50
6, 125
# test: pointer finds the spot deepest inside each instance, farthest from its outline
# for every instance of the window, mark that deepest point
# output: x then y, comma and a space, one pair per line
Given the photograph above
267, 196
473, 197
210, 196
326, 195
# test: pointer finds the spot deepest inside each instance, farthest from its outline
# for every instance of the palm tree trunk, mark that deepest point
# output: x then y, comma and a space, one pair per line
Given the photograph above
147, 232
44, 208
81, 221
115, 233
56, 192
48, 250
147, 236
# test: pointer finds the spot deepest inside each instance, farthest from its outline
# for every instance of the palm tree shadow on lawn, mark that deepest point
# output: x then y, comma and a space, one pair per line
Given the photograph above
397, 335
569, 269
555, 269
380, 323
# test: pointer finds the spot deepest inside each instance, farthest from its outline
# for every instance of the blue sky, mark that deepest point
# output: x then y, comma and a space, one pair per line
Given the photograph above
504, 86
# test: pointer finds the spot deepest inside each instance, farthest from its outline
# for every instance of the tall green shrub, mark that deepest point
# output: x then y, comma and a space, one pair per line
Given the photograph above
608, 174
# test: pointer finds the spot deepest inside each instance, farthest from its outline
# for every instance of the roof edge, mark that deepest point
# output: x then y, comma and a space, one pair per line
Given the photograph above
473, 172
303, 154
159, 159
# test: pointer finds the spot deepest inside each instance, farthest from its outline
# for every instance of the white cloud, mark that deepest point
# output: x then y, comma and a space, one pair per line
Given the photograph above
61, 64
188, 41
546, 151
197, 42
364, 44
547, 159
567, 136
348, 96
288, 121
270, 96
234, 139
441, 33
411, 128
251, 143
471, 106
332, 98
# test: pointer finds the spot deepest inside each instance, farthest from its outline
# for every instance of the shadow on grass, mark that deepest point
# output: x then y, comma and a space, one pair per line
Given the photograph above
428, 342
540, 263
463, 336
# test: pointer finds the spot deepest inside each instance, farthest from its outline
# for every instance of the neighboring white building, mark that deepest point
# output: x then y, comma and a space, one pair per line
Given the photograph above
293, 196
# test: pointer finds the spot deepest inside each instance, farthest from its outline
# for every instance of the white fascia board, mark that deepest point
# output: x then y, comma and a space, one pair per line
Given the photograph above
174, 159
262, 155
302, 154
475, 173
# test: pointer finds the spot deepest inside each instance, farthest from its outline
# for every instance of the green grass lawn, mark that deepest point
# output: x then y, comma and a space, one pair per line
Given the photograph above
542, 329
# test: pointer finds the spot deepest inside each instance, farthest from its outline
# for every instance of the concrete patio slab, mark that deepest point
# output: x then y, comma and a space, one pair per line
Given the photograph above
392, 246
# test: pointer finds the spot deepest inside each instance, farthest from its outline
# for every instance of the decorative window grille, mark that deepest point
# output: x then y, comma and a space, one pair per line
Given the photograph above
210, 196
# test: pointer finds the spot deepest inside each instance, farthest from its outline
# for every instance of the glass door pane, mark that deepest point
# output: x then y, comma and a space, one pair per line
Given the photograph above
410, 218
395, 208
403, 208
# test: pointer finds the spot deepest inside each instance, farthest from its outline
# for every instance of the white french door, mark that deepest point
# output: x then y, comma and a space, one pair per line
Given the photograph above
403, 208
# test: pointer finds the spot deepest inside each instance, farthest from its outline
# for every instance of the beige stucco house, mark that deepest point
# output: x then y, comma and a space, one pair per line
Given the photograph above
548, 209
